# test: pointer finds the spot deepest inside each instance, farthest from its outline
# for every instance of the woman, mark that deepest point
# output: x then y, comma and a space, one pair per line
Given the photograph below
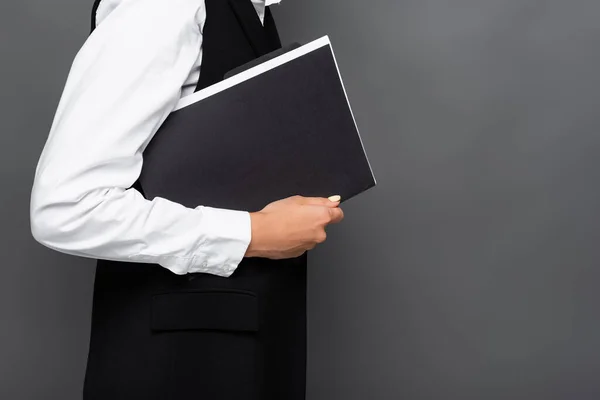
188, 302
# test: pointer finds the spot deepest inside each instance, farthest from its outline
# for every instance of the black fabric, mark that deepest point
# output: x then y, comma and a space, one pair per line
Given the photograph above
246, 39
262, 59
227, 310
94, 10
158, 335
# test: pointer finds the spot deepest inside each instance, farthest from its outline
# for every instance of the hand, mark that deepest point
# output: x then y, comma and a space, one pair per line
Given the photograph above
289, 227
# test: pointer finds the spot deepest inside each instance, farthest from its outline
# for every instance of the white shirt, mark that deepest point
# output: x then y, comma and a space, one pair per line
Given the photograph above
143, 56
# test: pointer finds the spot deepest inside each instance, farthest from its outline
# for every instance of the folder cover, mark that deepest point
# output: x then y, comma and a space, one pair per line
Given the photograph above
280, 128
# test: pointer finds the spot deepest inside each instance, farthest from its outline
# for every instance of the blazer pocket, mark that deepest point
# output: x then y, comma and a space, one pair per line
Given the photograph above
218, 309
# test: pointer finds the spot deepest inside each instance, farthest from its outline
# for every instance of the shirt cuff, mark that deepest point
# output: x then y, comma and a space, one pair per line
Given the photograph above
227, 235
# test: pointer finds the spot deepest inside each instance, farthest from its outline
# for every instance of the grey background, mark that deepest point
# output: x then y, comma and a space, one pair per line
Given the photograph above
471, 270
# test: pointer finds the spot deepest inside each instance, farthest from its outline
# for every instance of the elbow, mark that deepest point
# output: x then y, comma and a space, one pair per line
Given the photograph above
41, 230
38, 223
52, 218
64, 210
70, 222
44, 227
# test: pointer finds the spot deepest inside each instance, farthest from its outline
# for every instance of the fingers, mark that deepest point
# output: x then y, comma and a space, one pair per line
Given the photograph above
333, 201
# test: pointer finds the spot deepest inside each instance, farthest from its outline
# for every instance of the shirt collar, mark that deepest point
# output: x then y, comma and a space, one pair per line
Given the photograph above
265, 3
260, 5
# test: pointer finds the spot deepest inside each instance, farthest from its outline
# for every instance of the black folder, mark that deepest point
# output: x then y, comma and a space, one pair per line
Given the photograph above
269, 130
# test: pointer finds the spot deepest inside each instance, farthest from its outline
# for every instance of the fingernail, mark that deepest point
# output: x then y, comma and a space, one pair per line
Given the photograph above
335, 198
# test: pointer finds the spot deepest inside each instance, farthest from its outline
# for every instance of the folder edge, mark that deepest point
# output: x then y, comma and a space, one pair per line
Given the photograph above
352, 113
252, 72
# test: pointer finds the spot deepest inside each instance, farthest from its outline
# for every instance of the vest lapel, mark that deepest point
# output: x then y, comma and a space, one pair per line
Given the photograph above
250, 22
271, 30
94, 10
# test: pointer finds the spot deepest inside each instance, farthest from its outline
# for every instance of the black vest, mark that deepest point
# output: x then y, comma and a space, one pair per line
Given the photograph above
157, 335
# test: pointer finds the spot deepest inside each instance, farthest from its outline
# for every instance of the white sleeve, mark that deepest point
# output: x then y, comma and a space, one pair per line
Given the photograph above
123, 83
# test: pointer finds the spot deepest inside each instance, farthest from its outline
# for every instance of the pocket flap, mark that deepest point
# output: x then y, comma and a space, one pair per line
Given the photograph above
222, 309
